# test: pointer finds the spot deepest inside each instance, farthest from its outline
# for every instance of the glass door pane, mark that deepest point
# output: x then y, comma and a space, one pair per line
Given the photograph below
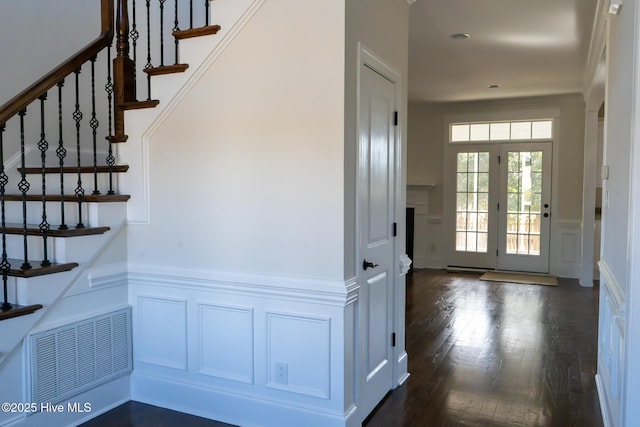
524, 195
472, 202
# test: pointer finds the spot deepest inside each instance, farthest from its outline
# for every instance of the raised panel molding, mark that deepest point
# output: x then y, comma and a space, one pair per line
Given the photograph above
613, 286
612, 334
162, 331
300, 342
565, 242
225, 342
236, 327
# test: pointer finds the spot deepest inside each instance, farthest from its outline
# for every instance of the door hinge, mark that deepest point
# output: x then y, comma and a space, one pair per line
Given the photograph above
395, 118
498, 206
393, 339
498, 159
395, 229
497, 252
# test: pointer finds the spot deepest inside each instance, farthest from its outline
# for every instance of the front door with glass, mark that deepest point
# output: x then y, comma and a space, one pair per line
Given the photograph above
501, 203
524, 222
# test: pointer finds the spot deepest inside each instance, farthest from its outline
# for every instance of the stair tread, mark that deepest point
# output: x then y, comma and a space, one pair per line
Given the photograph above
117, 138
74, 169
54, 231
166, 69
19, 310
89, 198
36, 269
196, 32
137, 105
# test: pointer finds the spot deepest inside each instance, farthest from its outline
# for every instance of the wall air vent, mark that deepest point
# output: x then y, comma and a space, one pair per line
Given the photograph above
70, 359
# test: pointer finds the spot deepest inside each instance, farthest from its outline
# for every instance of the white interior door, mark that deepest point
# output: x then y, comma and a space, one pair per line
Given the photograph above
524, 222
376, 201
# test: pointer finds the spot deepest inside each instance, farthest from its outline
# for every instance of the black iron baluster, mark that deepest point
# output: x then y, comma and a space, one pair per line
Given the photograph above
190, 14
43, 146
61, 153
206, 13
4, 265
94, 123
134, 34
148, 64
23, 186
176, 27
77, 117
109, 89
162, 32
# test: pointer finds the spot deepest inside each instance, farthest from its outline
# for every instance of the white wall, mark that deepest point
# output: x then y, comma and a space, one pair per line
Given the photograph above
249, 241
364, 20
618, 144
620, 267
246, 173
69, 26
240, 265
426, 153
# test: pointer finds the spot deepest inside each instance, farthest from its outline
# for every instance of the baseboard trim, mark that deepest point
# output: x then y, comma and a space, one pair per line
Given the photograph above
102, 399
604, 408
229, 407
403, 367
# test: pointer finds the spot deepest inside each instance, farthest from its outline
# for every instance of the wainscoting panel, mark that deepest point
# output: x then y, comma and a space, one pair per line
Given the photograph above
243, 349
162, 337
226, 342
298, 343
428, 234
566, 240
611, 347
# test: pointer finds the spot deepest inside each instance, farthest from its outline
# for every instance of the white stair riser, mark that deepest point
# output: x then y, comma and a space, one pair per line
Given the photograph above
52, 183
13, 213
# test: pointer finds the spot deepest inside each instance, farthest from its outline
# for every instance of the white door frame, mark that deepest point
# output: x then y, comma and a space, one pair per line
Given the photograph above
535, 113
366, 57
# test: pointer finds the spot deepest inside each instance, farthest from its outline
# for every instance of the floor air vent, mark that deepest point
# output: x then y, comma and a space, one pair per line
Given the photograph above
68, 360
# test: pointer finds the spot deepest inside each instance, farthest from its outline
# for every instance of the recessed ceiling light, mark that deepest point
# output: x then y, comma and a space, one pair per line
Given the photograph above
493, 86
460, 36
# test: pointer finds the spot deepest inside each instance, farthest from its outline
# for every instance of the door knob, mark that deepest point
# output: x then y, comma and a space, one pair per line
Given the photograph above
366, 264
546, 205
546, 215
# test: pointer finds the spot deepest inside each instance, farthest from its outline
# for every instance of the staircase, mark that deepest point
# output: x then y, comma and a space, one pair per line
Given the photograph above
59, 143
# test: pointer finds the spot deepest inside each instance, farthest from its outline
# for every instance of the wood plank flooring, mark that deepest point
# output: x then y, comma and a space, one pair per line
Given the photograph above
496, 354
480, 354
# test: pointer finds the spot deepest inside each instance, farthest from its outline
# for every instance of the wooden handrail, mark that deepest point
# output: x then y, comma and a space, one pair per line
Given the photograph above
53, 77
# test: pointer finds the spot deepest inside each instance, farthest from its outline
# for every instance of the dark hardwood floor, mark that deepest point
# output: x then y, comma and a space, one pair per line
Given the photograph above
496, 354
480, 354
136, 414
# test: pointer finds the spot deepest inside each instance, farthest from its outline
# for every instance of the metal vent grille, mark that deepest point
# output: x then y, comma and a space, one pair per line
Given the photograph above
68, 360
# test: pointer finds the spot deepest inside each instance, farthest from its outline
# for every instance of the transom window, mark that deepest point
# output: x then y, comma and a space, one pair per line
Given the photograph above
501, 131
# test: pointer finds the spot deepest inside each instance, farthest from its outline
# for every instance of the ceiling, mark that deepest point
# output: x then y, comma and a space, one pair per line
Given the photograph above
528, 47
